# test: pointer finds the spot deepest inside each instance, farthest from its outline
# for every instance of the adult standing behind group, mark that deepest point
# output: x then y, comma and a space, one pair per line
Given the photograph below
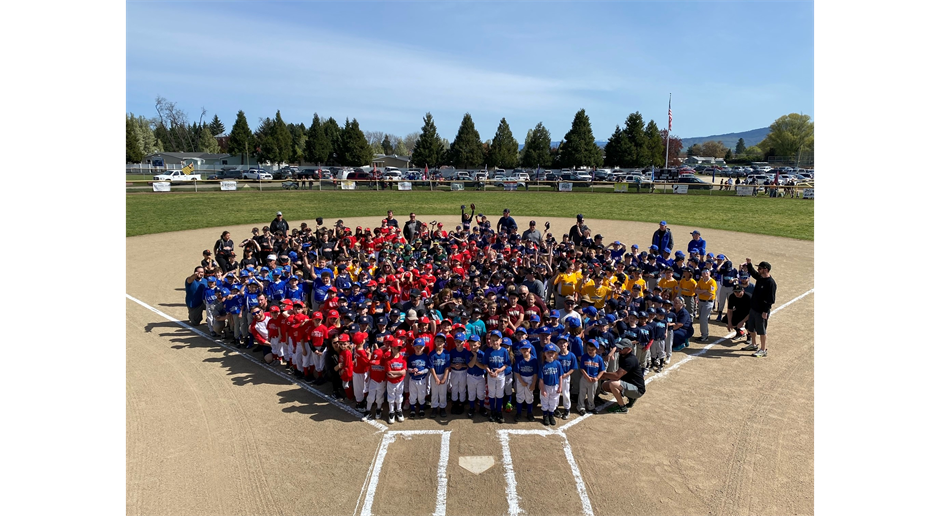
697, 243
279, 224
662, 237
195, 292
763, 298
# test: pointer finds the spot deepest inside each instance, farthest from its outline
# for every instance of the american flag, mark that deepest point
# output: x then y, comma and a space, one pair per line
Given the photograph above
670, 114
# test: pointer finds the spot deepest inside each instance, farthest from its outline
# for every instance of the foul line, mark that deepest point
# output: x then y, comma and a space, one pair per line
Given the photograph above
440, 508
264, 365
512, 495
689, 358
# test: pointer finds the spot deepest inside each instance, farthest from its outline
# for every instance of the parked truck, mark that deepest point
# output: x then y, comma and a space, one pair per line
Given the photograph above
176, 176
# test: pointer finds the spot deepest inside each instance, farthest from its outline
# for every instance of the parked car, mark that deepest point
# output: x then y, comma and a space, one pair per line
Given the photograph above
498, 178
391, 175
602, 174
256, 174
175, 176
358, 175
694, 183
518, 176
462, 175
227, 174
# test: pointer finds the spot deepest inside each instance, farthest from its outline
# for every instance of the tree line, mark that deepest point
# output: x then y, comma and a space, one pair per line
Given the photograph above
638, 144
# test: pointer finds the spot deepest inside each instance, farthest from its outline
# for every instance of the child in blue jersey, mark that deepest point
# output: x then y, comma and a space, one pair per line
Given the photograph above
496, 362
591, 365
459, 364
507, 388
276, 288
476, 376
525, 369
644, 335
253, 290
418, 369
550, 384
233, 307
569, 364
440, 371
658, 349
670, 319
210, 298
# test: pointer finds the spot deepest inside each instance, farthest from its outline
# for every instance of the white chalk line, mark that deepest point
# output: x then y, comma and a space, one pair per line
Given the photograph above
261, 363
685, 360
387, 439
512, 495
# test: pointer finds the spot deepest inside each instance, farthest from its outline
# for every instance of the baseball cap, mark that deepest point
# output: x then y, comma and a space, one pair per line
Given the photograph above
506, 341
739, 288
662, 223
460, 336
574, 322
333, 313
531, 222
497, 333
528, 346
654, 247
680, 254
474, 338
551, 347
563, 336
625, 343
634, 246
279, 213
695, 232
592, 343
764, 265
344, 337
211, 279
317, 315
419, 342
554, 314
721, 257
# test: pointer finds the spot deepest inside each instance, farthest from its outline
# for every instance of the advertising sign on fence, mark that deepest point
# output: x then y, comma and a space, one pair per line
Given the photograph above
456, 187
348, 185
808, 193
744, 191
404, 186
161, 187
621, 187
229, 185
510, 186
564, 187
680, 189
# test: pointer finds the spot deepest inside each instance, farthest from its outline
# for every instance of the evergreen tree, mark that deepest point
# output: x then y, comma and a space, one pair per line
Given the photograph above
740, 148
428, 148
579, 148
207, 142
266, 150
132, 152
634, 133
356, 150
504, 150
617, 149
317, 148
241, 141
655, 152
298, 135
728, 156
387, 146
467, 149
333, 134
282, 136
216, 127
538, 146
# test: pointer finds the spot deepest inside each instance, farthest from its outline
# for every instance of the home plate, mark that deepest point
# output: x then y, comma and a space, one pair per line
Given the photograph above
477, 464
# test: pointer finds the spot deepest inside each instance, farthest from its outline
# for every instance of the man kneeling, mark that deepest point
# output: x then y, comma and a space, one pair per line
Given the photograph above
627, 380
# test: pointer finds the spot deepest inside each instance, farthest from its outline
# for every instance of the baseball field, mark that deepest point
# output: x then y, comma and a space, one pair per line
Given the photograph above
212, 430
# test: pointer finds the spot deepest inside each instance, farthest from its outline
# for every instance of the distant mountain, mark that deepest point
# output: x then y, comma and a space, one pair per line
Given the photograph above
752, 137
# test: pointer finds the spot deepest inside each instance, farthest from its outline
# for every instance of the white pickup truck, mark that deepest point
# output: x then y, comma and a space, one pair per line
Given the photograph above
176, 176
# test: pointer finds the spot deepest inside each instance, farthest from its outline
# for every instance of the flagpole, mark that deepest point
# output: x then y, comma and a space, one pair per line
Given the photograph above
668, 128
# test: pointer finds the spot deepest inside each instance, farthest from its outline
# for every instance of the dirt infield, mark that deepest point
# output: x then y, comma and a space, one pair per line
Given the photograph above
211, 432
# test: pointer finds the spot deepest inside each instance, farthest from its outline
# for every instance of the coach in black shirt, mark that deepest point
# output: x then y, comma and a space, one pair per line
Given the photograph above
763, 298
627, 381
739, 309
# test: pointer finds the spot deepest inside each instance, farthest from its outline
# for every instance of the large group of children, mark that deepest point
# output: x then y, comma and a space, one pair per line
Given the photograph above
485, 320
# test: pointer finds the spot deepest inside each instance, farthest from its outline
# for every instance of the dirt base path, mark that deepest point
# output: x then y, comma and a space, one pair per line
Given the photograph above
211, 432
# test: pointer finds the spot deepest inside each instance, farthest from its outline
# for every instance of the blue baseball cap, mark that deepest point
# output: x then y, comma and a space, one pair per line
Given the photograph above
563, 336
535, 318
574, 322
544, 330
592, 342
522, 331
663, 223
497, 333
643, 315
590, 310
419, 342
680, 254
654, 247
611, 318
441, 335
551, 347
528, 346
721, 257
244, 274
554, 314
236, 287
695, 232
634, 246
474, 338
211, 279
460, 336
506, 341
225, 291
667, 250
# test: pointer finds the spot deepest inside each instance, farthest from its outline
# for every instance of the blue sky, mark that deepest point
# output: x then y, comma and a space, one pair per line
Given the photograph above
730, 66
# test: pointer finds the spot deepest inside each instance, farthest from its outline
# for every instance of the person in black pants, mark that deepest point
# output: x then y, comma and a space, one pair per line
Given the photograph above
763, 298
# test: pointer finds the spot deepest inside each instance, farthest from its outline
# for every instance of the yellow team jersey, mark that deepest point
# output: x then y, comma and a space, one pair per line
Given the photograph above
588, 288
640, 281
687, 287
711, 286
669, 284
603, 293
568, 282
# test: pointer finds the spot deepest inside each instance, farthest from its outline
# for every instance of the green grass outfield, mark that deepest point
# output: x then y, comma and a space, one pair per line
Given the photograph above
158, 213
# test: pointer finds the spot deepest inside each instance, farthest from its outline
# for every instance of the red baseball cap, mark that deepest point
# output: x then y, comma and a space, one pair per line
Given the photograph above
298, 303
359, 337
333, 313
318, 315
344, 338
424, 320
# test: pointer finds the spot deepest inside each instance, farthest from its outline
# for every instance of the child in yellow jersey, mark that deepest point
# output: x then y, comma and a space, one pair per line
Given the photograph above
565, 284
635, 279
687, 290
669, 283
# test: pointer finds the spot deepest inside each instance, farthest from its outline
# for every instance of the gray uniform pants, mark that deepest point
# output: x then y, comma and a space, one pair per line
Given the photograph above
586, 389
704, 310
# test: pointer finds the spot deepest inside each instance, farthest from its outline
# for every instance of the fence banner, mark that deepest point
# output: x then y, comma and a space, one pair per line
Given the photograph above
564, 187
744, 191
680, 189
404, 186
348, 185
807, 194
161, 187
510, 186
456, 187
622, 187
229, 185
